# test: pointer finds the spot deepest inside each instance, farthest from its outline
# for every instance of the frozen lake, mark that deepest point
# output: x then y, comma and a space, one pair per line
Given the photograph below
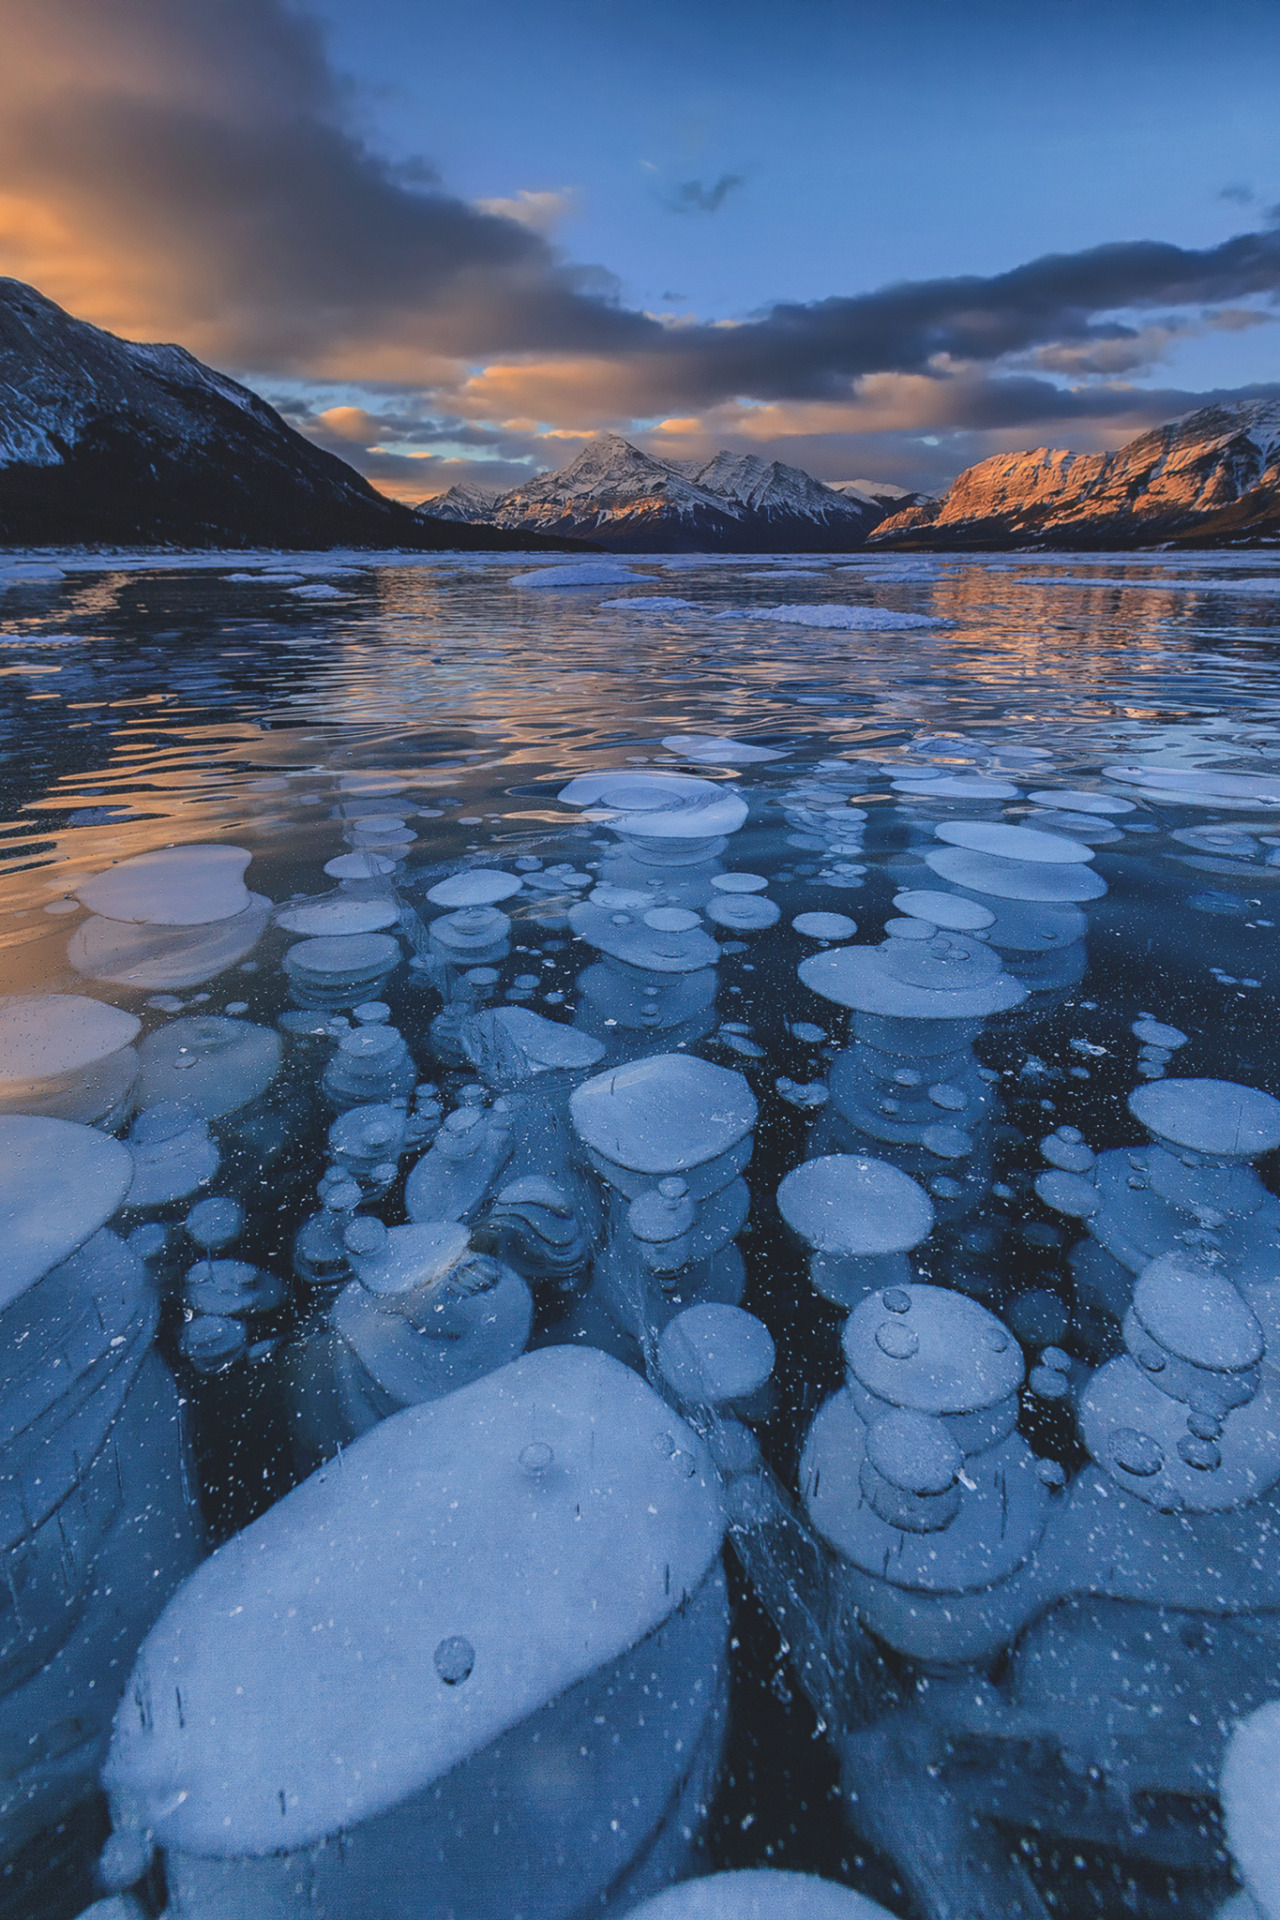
690, 1146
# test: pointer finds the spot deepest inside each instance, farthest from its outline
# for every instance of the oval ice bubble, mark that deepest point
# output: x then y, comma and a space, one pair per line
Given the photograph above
479, 887
743, 912
760, 1893
658, 806
173, 887
712, 1355
59, 1182
739, 882
944, 909
1013, 843
320, 917
1249, 1789
825, 926
1044, 880
65, 1055
1213, 1117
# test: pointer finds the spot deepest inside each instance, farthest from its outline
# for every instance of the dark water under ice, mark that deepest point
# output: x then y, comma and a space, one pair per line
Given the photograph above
152, 705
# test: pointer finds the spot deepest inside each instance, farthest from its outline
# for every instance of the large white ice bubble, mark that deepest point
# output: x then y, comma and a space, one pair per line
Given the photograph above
663, 1115
300, 1682
320, 917
847, 1204
760, 1893
1249, 1789
478, 887
954, 786
955, 978
159, 958
1043, 880
1080, 800
944, 909
1245, 792
59, 1183
1214, 1117
65, 1055
721, 752
712, 1355
209, 1062
172, 887
1013, 843
657, 806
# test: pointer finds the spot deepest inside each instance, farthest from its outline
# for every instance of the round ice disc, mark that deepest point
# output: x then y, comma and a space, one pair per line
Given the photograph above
59, 1182
846, 1204
932, 1350
759, 1893
712, 1354
1016, 879
1216, 1117
1077, 800
744, 912
172, 887
359, 866
1014, 843
53, 1033
481, 887
739, 882
943, 909
1197, 1315
663, 1114
659, 806
825, 926
320, 917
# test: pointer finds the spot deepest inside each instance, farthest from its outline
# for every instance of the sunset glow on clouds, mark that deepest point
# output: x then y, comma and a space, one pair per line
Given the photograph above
199, 170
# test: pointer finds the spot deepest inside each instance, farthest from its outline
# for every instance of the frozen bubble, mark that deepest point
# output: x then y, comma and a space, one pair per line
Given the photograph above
914, 1453
621, 899
1214, 1117
359, 866
545, 1043
759, 1893
846, 1204
805, 1031
658, 806
455, 1660
664, 1114
317, 591
825, 926
915, 980
1154, 1033
419, 1526
988, 873
1224, 840
710, 1355
1197, 1316
318, 917
173, 887
215, 1222
672, 919
725, 753
59, 1182
908, 929
739, 882
944, 909
208, 1062
212, 1341
744, 912
480, 887
405, 1258
334, 960
1249, 1788
1076, 800
963, 1359
63, 1054
1201, 786
1013, 843
648, 602
631, 941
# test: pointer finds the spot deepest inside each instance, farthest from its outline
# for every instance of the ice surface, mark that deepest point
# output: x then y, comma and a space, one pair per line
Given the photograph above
174, 887
658, 806
586, 573
317, 917
290, 1689
59, 1183
853, 619
825, 926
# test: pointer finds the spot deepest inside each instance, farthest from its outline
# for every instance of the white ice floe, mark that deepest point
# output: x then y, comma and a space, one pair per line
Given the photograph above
855, 619
717, 750
587, 573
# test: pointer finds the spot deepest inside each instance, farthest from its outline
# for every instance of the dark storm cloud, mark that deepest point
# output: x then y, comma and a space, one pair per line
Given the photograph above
692, 197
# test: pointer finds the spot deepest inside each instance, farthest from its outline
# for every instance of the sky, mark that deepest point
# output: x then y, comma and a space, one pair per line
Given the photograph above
454, 241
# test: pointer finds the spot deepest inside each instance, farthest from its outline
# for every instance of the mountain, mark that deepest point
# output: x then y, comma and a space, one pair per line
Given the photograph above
470, 505
629, 501
103, 441
1212, 476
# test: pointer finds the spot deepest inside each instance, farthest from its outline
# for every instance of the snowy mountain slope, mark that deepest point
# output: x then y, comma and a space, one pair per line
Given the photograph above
628, 500
470, 505
1212, 475
106, 441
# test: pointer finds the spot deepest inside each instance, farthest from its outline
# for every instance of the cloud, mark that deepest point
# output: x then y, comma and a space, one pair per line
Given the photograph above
540, 211
1242, 195
194, 168
693, 197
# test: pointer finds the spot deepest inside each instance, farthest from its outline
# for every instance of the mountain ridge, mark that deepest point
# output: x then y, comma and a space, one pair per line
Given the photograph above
1212, 475
624, 499
107, 442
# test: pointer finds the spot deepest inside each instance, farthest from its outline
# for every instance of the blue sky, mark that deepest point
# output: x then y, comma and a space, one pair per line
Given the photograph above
567, 169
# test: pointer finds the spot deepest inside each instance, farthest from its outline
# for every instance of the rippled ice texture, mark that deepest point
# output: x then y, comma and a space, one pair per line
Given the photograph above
1077, 1718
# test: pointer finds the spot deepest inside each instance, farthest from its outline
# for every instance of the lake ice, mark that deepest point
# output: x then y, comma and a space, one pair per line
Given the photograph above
642, 1250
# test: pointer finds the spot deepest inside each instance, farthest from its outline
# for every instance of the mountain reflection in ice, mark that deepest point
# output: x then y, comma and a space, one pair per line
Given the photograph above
641, 1273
